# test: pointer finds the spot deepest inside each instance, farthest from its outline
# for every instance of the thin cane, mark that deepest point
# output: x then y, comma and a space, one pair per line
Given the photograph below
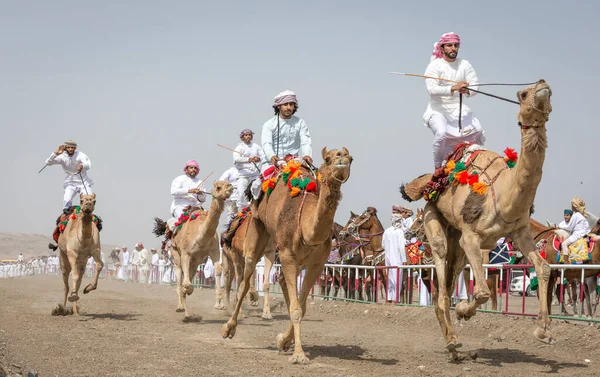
83, 182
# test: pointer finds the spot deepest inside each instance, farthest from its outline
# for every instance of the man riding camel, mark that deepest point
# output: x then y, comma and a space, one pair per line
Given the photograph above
444, 110
187, 189
286, 134
575, 224
75, 165
248, 157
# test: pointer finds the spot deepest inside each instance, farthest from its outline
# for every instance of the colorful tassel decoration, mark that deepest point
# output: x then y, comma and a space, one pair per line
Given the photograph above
479, 188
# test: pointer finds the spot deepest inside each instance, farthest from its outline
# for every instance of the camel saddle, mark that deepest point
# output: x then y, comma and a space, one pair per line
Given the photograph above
227, 235
579, 251
440, 179
186, 215
63, 220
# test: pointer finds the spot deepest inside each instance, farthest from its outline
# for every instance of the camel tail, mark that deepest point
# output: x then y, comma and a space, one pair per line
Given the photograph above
412, 191
52, 246
160, 227
248, 193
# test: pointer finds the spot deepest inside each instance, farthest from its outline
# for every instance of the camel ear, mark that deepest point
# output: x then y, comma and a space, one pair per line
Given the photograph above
94, 195
324, 155
352, 214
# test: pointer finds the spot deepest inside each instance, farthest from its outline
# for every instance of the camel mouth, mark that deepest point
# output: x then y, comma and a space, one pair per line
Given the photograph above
543, 93
341, 166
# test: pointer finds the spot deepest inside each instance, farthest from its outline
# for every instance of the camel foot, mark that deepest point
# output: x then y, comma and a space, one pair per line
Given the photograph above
180, 310
74, 297
188, 289
219, 305
267, 316
452, 346
283, 344
462, 311
298, 358
61, 310
253, 298
228, 330
544, 336
191, 318
89, 288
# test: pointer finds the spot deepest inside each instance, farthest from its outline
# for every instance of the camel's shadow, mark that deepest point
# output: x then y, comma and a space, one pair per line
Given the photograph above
349, 352
497, 357
115, 316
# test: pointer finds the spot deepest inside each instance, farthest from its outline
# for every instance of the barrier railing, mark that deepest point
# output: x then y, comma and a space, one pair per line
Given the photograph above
399, 285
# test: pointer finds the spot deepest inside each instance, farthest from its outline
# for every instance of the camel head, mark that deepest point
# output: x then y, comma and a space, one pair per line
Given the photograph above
87, 203
222, 190
336, 166
535, 105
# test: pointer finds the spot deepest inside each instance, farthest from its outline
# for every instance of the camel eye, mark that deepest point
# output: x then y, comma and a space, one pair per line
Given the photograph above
523, 95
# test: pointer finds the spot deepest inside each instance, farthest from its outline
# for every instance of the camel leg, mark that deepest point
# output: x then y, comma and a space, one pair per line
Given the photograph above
254, 245
436, 233
78, 273
227, 268
269, 259
221, 272
253, 292
526, 244
492, 284
65, 268
471, 244
179, 278
291, 270
99, 266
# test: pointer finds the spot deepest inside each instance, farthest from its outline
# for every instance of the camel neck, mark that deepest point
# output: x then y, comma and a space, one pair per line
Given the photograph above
212, 218
316, 227
526, 175
86, 226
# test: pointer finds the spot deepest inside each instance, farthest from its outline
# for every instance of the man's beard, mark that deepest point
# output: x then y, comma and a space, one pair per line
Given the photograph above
449, 55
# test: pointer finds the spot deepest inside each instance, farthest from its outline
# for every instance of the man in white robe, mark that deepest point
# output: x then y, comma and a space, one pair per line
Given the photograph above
575, 224
395, 255
444, 111
247, 158
135, 261
187, 189
286, 134
123, 273
231, 175
154, 261
75, 164
145, 265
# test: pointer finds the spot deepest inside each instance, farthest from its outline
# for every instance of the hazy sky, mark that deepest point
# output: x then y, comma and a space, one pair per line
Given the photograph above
144, 86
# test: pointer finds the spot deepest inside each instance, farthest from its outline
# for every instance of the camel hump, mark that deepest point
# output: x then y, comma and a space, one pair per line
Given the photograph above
413, 191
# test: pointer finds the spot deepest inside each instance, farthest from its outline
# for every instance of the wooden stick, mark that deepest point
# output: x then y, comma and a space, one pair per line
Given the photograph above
233, 150
422, 76
204, 180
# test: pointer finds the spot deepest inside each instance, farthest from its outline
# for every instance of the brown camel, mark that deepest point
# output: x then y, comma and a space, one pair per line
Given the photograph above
543, 237
301, 228
79, 241
366, 231
196, 240
464, 221
233, 263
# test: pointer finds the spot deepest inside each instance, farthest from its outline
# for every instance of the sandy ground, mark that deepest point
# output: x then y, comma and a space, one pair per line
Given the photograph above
128, 329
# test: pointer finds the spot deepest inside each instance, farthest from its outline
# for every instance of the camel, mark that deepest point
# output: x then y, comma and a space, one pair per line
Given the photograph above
233, 263
196, 240
543, 236
366, 231
301, 227
466, 219
79, 241
332, 277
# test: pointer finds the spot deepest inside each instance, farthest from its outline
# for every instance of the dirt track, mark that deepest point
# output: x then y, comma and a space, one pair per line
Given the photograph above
128, 329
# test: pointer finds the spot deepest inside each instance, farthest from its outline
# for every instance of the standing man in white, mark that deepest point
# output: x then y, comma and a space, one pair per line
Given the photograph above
444, 110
